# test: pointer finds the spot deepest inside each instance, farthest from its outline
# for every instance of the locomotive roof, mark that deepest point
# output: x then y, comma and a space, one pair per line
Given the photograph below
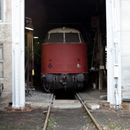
64, 30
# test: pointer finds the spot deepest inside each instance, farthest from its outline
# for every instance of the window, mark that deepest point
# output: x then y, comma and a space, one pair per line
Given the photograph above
72, 37
55, 37
1, 61
64, 37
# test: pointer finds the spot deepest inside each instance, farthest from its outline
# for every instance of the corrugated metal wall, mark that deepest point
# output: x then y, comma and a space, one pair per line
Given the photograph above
125, 48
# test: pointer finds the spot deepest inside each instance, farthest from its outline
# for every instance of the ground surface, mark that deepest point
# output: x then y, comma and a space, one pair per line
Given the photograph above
113, 120
68, 119
33, 118
108, 118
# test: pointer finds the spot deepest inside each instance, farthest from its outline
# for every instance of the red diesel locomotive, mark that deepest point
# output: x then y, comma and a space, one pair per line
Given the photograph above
63, 60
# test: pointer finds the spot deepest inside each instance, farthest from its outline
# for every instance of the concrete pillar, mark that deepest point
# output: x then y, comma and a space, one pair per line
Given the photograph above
113, 53
18, 72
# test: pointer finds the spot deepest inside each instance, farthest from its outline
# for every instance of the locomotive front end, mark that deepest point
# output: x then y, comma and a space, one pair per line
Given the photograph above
63, 60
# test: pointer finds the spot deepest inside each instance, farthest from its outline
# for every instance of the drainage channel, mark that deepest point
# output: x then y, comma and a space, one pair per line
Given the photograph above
66, 100
61, 95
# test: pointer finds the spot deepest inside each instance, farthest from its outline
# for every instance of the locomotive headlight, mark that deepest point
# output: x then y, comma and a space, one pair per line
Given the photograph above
43, 76
78, 65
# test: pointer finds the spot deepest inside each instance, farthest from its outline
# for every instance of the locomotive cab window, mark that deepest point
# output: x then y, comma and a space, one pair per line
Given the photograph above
64, 37
55, 37
72, 37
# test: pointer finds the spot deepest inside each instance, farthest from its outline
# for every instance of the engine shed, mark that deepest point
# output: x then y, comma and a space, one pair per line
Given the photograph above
104, 25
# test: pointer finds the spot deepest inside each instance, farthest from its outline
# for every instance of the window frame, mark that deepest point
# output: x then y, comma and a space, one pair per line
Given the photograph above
65, 37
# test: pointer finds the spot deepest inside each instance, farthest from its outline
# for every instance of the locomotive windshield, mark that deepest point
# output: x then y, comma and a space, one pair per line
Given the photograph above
55, 37
64, 35
72, 37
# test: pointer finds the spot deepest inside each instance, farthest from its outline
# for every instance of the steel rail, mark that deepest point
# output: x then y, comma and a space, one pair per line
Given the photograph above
48, 113
90, 115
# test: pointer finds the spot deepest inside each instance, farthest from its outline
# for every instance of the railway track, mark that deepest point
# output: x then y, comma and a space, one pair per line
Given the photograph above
96, 126
48, 113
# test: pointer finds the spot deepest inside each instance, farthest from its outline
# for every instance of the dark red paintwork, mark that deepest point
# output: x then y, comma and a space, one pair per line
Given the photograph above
64, 58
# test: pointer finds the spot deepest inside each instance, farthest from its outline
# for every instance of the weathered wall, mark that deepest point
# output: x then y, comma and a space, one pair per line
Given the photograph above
125, 47
5, 40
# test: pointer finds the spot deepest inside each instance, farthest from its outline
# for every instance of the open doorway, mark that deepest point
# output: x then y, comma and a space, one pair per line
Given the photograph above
87, 16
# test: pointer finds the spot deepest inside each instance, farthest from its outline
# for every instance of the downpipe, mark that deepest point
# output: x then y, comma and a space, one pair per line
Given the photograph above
116, 94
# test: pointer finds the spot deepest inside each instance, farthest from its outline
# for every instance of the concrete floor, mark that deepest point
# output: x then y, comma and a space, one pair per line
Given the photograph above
109, 119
